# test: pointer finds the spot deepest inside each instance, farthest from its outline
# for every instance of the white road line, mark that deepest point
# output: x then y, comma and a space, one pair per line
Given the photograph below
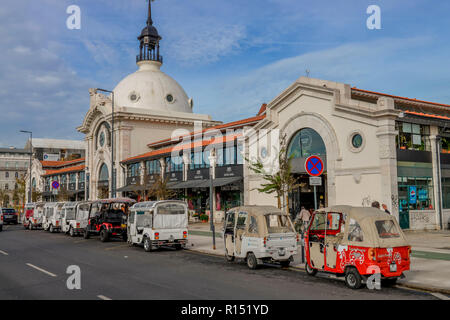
3, 252
440, 296
103, 297
41, 270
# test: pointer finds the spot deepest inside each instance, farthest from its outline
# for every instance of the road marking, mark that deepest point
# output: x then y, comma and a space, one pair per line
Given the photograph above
103, 297
80, 241
440, 296
41, 270
3, 252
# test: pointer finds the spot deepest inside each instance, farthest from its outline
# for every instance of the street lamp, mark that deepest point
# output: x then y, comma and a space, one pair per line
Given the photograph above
113, 178
31, 155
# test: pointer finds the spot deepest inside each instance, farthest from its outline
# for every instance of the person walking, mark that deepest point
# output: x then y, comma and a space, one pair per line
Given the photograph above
303, 218
376, 204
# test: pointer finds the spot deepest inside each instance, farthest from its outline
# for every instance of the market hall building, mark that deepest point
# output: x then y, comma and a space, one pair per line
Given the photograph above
375, 146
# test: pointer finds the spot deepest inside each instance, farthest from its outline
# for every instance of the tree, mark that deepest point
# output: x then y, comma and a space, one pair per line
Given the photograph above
35, 195
281, 182
159, 189
21, 189
63, 195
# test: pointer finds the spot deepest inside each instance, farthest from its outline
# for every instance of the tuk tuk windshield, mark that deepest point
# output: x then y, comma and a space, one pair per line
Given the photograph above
70, 213
330, 221
387, 229
277, 223
171, 208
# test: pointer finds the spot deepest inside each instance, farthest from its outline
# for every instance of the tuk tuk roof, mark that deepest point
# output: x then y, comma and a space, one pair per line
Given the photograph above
153, 204
50, 204
259, 210
366, 218
70, 204
115, 200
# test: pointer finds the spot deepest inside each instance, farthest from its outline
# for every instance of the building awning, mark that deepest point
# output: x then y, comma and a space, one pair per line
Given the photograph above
218, 182
130, 188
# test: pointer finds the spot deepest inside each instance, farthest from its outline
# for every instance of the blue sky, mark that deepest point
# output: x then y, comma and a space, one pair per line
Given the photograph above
230, 56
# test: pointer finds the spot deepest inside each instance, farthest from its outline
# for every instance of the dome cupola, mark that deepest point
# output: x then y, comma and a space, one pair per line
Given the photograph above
149, 40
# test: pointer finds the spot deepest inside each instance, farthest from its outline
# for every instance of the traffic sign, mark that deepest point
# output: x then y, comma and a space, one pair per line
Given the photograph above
314, 166
315, 181
55, 184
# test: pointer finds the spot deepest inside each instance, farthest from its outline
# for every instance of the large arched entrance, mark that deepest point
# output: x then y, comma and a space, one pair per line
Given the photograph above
303, 144
103, 182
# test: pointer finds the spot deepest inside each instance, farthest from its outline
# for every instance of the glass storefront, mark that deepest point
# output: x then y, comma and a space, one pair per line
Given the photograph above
413, 136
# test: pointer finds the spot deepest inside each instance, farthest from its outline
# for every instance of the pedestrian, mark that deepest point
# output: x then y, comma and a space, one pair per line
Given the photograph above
376, 204
303, 218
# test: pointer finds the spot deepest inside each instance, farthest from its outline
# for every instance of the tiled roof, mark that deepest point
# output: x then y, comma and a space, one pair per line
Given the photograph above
64, 170
354, 89
219, 127
262, 109
421, 114
58, 164
191, 145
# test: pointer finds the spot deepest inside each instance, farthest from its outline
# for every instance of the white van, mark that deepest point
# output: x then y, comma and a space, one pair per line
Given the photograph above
52, 216
158, 223
35, 221
80, 221
68, 214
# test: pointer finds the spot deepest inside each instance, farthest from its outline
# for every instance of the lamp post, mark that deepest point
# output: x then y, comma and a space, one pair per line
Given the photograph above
212, 160
31, 155
113, 177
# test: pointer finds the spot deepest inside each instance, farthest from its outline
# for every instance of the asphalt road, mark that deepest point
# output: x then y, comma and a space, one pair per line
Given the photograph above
33, 266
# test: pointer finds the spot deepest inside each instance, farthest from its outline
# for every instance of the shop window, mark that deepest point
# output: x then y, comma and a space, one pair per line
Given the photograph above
413, 136
174, 164
81, 177
415, 193
72, 178
133, 170
153, 166
199, 160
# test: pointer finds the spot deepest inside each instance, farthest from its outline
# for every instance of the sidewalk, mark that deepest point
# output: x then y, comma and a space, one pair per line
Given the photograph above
430, 257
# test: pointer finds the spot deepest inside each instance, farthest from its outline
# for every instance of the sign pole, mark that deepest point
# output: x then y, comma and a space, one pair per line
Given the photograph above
315, 198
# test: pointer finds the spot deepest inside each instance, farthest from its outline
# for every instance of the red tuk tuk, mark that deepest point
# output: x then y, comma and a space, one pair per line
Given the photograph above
355, 243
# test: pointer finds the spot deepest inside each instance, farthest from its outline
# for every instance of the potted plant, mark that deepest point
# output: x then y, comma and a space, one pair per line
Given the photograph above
204, 218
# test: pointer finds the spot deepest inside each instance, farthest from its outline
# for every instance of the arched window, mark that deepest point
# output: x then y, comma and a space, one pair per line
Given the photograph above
33, 183
305, 143
104, 174
6, 174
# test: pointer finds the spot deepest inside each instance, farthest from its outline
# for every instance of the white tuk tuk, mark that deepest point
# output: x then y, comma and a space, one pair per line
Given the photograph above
52, 216
80, 221
35, 221
68, 214
158, 223
259, 234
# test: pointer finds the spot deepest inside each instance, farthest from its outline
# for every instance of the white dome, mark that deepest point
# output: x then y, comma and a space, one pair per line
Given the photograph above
150, 88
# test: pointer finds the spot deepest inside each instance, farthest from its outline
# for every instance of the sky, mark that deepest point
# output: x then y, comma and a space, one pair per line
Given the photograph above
229, 56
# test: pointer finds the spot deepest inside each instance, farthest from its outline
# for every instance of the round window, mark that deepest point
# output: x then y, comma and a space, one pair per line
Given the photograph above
134, 96
169, 98
357, 141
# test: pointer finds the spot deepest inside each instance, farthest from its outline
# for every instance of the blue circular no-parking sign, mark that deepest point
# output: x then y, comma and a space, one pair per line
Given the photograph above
55, 184
314, 166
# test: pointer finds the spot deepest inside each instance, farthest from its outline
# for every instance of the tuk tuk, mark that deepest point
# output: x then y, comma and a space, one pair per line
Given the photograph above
34, 220
158, 223
259, 234
356, 242
68, 213
53, 221
108, 218
80, 220
28, 214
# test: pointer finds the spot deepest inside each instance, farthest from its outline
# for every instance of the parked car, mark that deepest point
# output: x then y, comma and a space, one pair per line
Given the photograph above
52, 216
354, 243
80, 221
10, 216
36, 216
158, 223
68, 214
259, 234
108, 218
28, 214
1, 221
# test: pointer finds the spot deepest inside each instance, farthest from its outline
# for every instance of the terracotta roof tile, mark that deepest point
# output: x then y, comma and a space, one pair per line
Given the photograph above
57, 164
65, 170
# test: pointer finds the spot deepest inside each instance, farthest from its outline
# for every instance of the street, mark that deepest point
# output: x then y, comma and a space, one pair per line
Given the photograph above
33, 266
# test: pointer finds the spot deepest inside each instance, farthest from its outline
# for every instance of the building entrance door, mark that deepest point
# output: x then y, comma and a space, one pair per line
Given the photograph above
303, 194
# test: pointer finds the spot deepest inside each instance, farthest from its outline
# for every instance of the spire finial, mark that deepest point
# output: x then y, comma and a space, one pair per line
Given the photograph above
149, 20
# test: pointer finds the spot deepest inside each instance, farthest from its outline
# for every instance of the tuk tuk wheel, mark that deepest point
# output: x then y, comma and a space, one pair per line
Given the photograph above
30, 227
252, 263
104, 236
71, 232
51, 229
353, 279
86, 234
310, 271
148, 245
